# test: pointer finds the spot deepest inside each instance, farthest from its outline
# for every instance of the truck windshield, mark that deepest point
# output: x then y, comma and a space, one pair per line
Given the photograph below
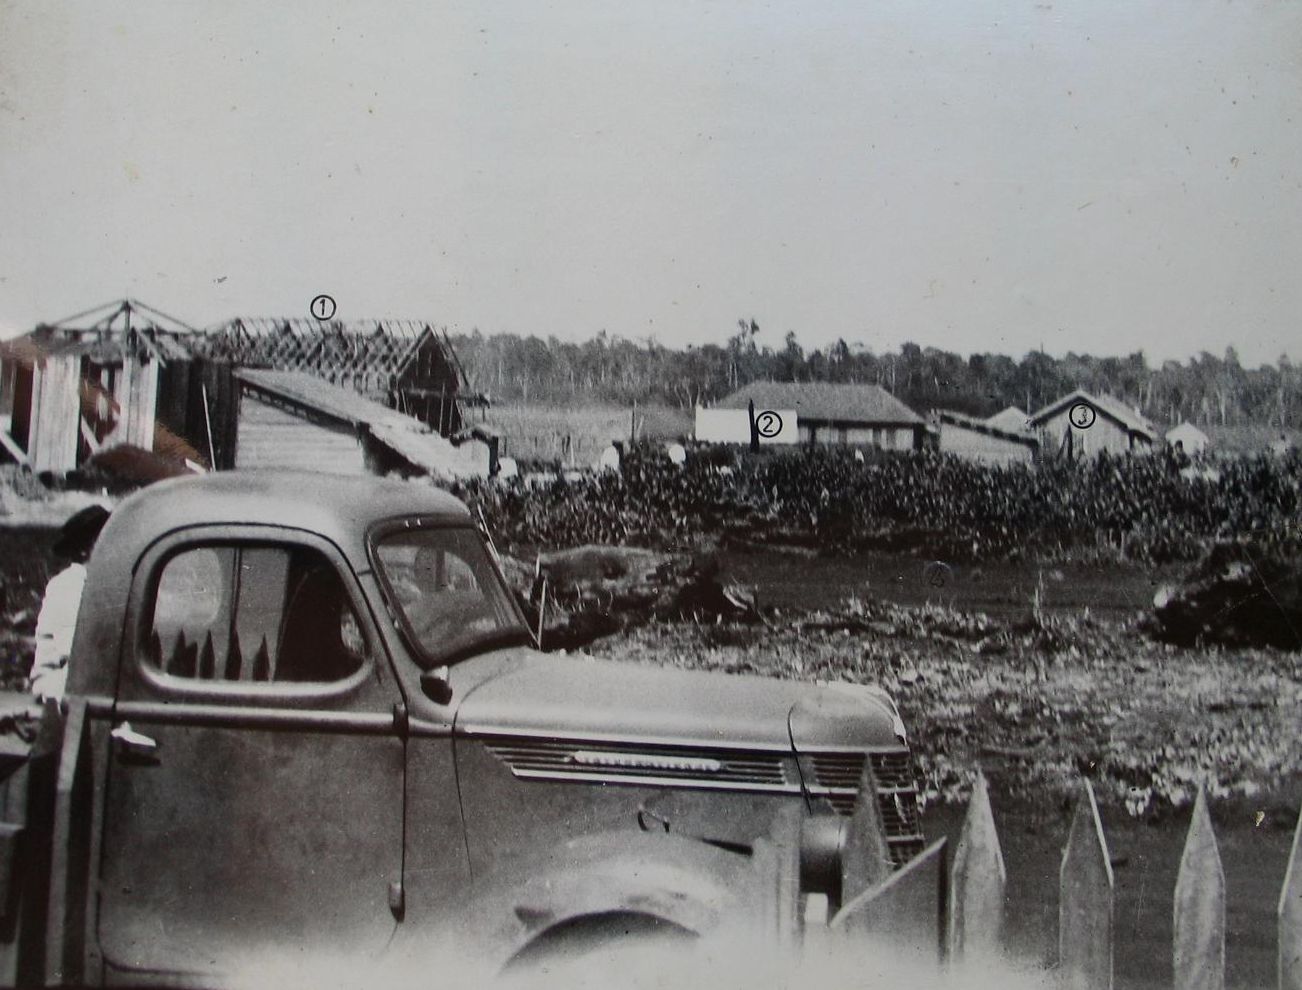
449, 596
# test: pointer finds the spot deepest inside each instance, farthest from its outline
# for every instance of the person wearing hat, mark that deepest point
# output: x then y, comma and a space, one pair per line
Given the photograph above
58, 616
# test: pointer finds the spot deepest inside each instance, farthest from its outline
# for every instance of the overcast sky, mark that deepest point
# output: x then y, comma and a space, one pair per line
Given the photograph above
1098, 175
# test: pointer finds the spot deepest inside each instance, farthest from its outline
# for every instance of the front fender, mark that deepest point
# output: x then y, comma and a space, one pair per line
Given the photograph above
692, 886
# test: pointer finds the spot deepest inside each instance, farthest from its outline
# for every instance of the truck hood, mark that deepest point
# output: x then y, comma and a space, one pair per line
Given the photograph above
580, 697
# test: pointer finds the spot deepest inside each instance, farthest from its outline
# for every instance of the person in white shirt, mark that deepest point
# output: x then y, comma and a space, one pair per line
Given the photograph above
58, 616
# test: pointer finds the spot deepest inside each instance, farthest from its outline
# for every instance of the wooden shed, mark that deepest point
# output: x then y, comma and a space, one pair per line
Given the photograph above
402, 364
292, 419
1187, 438
118, 374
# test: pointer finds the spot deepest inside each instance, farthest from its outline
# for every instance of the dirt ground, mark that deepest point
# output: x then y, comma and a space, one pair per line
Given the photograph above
1037, 696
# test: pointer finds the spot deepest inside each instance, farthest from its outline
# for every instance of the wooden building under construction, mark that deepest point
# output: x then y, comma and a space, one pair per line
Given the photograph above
120, 374
402, 364
127, 375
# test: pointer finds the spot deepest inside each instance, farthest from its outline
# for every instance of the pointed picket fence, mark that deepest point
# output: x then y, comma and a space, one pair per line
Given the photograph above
976, 902
1085, 913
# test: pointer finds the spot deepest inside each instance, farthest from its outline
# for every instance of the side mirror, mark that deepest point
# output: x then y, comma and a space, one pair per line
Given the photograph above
434, 685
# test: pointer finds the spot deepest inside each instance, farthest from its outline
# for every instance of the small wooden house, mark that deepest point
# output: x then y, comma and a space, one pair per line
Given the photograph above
1081, 424
853, 415
1187, 438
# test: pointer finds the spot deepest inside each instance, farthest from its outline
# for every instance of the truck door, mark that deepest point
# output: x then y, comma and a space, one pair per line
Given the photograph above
254, 801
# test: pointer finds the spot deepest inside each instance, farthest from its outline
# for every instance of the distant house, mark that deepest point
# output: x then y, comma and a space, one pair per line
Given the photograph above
978, 440
1188, 438
402, 364
1012, 418
121, 374
856, 415
291, 419
1082, 424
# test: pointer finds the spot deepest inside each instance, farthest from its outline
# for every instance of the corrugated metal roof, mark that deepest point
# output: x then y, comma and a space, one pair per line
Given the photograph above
826, 401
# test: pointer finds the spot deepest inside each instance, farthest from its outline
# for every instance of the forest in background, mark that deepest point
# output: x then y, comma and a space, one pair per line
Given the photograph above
607, 369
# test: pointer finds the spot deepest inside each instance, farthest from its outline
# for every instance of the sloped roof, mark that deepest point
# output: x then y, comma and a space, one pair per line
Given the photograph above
1109, 406
411, 439
1011, 418
826, 402
106, 334
984, 426
342, 404
1186, 430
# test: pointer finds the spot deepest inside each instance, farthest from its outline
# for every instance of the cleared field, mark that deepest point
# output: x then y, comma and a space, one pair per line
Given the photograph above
577, 435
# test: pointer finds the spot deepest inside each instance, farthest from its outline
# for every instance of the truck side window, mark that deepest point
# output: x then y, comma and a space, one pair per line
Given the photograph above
254, 613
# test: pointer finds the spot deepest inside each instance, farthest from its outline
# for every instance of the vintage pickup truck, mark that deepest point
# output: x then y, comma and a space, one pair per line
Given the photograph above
306, 719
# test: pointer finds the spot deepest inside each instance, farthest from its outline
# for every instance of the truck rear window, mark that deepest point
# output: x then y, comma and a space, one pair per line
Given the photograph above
251, 612
446, 590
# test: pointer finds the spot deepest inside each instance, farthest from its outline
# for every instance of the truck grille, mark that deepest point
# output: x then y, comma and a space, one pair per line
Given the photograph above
837, 776
569, 759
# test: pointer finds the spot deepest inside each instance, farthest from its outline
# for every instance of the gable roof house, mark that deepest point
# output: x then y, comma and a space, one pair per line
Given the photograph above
110, 376
1099, 423
402, 364
838, 414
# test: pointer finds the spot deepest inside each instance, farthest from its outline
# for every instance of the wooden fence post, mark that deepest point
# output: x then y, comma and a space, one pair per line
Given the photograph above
1199, 940
1085, 902
976, 904
1290, 917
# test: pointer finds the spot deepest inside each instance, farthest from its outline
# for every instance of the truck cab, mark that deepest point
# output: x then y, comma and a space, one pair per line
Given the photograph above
306, 718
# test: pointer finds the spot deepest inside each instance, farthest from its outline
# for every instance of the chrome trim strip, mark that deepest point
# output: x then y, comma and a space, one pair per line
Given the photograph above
686, 783
532, 735
647, 761
233, 716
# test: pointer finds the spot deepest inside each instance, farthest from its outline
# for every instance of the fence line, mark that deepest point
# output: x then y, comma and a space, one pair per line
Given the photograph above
1085, 917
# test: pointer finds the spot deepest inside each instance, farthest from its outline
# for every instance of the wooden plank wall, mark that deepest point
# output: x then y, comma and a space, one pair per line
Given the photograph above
56, 416
272, 438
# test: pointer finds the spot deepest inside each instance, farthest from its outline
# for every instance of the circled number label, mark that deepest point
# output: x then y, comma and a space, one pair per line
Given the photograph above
768, 424
1081, 416
323, 307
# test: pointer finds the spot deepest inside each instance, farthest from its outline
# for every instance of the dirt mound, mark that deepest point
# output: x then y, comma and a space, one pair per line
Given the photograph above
1240, 594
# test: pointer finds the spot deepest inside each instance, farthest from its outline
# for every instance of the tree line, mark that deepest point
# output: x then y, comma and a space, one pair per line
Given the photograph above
1206, 390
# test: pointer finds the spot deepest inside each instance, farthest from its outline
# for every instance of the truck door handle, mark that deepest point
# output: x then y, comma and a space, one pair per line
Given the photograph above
133, 743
